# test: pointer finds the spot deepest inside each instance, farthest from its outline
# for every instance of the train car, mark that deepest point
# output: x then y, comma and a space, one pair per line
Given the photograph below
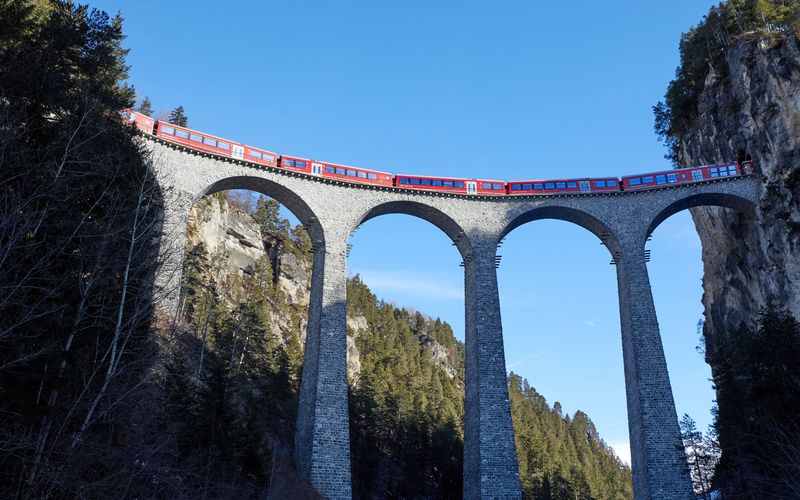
198, 140
452, 185
255, 155
603, 184
351, 174
140, 121
679, 176
295, 163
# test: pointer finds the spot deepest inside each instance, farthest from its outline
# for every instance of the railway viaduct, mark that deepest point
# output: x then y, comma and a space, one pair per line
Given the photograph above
331, 210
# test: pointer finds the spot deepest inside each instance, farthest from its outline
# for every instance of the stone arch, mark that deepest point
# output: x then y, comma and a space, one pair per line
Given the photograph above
431, 214
567, 214
278, 192
725, 200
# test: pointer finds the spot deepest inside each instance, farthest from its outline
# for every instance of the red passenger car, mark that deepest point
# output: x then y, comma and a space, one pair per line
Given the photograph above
294, 163
255, 155
196, 140
680, 176
452, 185
351, 174
564, 186
140, 121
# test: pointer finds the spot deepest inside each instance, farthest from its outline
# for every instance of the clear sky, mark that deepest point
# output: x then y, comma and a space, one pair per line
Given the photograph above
507, 90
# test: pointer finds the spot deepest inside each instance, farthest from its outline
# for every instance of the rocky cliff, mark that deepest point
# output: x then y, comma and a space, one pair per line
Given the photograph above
232, 238
749, 108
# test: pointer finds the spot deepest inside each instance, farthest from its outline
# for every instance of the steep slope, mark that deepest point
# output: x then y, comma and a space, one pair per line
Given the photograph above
751, 108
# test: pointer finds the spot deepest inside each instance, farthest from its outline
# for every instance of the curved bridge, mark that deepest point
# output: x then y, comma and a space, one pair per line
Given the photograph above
332, 210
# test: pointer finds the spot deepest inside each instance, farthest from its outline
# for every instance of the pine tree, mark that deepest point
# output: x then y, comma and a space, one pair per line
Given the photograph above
178, 117
146, 107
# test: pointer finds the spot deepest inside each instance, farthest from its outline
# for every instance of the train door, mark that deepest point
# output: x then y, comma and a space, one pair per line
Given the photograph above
238, 152
585, 188
472, 187
697, 175
316, 168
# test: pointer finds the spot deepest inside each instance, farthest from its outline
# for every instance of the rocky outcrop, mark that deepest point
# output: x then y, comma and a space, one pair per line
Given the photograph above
234, 243
750, 108
229, 234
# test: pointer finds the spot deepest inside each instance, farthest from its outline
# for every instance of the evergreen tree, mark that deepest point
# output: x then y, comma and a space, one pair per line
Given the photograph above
758, 393
80, 226
702, 453
146, 107
178, 117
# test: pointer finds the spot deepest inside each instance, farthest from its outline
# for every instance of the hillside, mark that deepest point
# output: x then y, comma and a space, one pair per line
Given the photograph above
405, 369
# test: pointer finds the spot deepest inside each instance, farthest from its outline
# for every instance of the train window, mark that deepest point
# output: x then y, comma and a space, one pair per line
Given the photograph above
611, 183
351, 173
415, 182
672, 178
538, 186
329, 170
448, 184
732, 170
426, 182
497, 186
486, 185
168, 130
362, 175
223, 145
403, 180
635, 181
437, 183
561, 185
372, 177
527, 187
714, 172
572, 184
254, 154
340, 171
647, 180
600, 184
661, 179
549, 185
268, 157
516, 187
458, 184
196, 137
182, 133
209, 141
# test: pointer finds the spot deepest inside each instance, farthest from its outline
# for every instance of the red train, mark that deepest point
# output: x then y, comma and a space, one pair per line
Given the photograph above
479, 187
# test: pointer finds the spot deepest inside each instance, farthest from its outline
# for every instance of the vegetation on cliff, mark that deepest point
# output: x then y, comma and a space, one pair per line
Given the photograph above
703, 47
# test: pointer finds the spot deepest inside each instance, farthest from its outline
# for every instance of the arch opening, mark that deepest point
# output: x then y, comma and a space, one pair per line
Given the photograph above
405, 363
427, 213
560, 313
676, 269
566, 214
723, 200
243, 315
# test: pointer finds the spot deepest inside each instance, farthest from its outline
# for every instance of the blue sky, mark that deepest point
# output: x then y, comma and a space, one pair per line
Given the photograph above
506, 90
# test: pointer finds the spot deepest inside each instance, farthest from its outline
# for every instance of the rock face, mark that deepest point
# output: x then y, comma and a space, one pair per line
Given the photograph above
229, 234
750, 108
